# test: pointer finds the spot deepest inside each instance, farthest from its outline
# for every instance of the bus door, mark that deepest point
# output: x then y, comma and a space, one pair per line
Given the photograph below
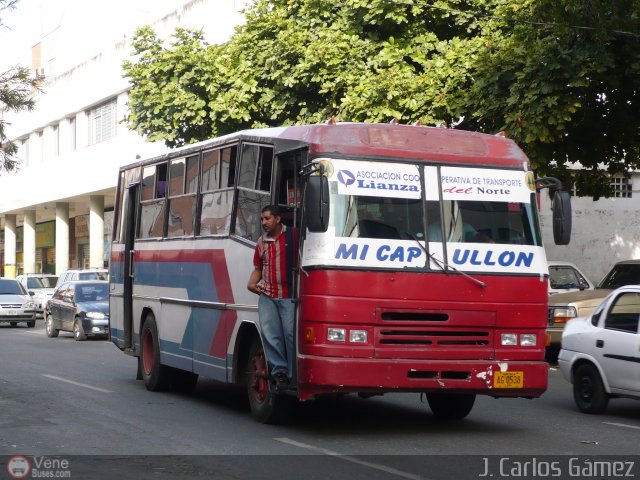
288, 196
129, 202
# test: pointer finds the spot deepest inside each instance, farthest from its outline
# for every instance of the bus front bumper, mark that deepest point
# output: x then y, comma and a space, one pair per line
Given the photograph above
318, 375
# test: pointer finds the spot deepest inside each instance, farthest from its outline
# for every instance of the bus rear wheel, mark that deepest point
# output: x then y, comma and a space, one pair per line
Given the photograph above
266, 406
155, 375
451, 406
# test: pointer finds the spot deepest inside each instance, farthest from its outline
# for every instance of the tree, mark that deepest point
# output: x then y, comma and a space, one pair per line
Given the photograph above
561, 78
16, 89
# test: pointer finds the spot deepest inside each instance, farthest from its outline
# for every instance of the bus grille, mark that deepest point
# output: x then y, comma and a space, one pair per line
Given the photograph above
445, 338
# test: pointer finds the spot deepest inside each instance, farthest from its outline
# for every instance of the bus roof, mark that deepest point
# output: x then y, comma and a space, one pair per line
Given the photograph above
382, 141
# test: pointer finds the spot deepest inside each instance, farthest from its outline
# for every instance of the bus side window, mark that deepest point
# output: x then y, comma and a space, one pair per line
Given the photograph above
288, 193
254, 189
217, 181
182, 196
152, 208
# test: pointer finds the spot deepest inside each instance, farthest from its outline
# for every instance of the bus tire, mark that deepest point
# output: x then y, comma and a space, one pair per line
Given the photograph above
451, 406
155, 375
588, 390
266, 406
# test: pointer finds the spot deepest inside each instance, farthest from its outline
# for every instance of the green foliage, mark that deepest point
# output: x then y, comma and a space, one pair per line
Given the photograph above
561, 78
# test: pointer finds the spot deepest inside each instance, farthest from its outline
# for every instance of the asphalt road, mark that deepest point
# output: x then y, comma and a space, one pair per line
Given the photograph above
80, 401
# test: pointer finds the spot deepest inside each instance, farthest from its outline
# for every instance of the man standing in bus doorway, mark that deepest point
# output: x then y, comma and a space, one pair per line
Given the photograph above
272, 279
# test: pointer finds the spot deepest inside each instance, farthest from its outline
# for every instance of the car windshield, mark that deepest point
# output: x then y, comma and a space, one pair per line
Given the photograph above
41, 282
621, 275
92, 276
10, 287
564, 276
91, 293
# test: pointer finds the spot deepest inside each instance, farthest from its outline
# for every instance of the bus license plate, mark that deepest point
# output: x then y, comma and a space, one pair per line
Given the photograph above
508, 380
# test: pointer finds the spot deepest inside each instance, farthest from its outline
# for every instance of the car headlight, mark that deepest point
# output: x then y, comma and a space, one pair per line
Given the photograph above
96, 315
563, 314
28, 305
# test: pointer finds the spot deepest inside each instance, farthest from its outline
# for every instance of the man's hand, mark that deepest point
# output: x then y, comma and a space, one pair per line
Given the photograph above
255, 277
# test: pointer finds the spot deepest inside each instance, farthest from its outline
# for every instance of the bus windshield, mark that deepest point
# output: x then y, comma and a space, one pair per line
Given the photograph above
392, 218
404, 216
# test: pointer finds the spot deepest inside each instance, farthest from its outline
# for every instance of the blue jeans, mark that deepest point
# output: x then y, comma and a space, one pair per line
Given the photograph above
276, 324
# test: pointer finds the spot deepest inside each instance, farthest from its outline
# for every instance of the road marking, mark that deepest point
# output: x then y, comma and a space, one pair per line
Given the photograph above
53, 377
622, 425
349, 458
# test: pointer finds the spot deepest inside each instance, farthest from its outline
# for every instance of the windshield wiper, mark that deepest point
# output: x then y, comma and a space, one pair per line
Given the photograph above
444, 265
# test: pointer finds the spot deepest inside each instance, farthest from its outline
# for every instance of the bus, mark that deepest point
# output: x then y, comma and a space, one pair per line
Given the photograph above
420, 264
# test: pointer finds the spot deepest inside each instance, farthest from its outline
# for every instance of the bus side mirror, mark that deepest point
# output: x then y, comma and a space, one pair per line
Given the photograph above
316, 199
561, 217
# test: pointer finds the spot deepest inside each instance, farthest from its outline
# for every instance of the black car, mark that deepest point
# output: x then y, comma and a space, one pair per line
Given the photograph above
81, 307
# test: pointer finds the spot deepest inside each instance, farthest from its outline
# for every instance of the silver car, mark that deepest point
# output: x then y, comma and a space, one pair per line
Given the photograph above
15, 304
40, 286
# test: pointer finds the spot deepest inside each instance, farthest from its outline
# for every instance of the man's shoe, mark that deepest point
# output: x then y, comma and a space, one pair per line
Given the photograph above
281, 382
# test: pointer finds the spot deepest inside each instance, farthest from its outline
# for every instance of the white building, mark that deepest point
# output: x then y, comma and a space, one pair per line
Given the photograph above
604, 231
56, 212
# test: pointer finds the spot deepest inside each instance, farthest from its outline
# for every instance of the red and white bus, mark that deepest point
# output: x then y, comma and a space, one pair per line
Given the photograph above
421, 264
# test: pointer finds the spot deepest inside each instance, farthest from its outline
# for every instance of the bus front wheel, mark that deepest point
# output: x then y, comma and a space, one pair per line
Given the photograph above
266, 406
451, 406
155, 375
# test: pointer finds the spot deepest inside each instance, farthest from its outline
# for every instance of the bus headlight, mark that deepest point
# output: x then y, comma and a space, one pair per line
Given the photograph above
508, 339
528, 340
336, 334
358, 336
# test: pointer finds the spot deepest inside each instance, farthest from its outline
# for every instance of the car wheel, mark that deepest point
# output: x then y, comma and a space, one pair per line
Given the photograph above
78, 331
451, 406
31, 324
157, 377
13, 324
588, 389
52, 331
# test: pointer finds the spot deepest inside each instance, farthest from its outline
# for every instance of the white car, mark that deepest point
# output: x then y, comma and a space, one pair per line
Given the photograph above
600, 352
566, 277
15, 304
40, 286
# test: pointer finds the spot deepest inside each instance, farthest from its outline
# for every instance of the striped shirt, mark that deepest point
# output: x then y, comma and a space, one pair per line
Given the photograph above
270, 257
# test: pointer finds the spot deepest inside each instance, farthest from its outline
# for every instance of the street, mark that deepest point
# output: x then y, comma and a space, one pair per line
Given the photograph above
59, 397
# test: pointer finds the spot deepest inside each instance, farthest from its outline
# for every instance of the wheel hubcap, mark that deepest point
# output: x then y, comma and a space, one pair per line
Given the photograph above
586, 389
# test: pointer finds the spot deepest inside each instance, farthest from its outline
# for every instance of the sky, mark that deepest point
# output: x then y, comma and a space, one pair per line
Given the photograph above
90, 24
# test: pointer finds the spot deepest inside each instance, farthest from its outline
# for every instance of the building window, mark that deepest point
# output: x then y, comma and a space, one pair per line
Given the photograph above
621, 187
72, 133
102, 122
56, 141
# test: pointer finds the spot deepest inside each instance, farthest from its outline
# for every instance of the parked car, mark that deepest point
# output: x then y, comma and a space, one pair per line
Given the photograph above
40, 286
565, 306
81, 307
599, 354
83, 274
15, 304
566, 277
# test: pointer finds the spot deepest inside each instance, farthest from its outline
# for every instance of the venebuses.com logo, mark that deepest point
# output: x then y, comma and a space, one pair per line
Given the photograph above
18, 467
38, 467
